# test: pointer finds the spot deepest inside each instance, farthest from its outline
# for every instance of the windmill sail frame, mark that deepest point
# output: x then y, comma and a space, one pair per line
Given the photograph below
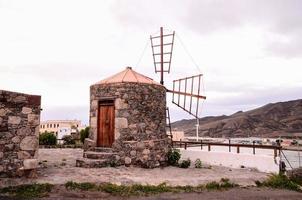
180, 97
163, 62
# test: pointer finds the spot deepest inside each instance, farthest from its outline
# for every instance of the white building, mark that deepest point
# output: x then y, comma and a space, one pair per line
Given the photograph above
61, 127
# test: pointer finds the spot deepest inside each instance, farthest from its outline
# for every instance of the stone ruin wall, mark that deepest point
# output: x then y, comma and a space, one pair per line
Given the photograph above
19, 133
140, 122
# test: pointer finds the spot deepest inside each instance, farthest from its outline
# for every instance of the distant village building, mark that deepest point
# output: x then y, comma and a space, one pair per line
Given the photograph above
178, 135
61, 127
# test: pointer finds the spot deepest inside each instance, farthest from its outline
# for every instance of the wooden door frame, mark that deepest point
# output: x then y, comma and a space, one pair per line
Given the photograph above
104, 102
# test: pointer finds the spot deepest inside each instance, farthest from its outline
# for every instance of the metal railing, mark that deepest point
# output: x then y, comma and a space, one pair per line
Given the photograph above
186, 144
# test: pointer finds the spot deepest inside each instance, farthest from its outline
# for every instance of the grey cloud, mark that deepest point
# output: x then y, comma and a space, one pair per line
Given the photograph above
274, 17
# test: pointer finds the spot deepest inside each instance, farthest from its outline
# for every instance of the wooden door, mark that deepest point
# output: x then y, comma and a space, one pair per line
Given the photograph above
105, 125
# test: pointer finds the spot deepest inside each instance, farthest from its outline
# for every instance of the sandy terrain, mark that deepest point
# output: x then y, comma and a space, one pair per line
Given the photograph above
58, 167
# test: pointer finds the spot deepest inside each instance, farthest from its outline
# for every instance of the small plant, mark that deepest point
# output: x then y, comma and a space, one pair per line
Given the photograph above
223, 184
70, 185
68, 139
198, 163
173, 157
185, 163
113, 163
47, 138
212, 186
84, 134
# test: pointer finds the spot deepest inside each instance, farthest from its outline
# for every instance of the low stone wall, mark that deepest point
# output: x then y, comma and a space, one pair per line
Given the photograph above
147, 154
19, 133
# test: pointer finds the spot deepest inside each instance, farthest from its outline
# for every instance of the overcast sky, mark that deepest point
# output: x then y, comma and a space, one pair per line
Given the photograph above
250, 51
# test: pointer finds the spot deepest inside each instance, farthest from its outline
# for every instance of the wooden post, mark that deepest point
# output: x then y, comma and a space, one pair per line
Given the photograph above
180, 143
201, 144
275, 152
254, 147
185, 145
209, 147
161, 56
238, 150
229, 145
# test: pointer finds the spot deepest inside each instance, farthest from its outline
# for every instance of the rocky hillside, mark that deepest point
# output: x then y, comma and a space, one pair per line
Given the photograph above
271, 120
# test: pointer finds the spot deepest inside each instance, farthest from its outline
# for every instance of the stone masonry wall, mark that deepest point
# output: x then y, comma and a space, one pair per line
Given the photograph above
19, 132
140, 121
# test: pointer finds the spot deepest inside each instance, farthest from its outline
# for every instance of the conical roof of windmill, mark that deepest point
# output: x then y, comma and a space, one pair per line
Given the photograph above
128, 76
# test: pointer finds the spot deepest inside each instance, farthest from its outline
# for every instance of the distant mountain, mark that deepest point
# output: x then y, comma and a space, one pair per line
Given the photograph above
271, 120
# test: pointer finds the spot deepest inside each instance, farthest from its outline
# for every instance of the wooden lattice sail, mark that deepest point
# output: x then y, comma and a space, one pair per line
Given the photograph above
186, 94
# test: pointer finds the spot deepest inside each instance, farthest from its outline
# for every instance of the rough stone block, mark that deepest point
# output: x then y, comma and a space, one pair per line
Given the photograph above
14, 120
120, 104
30, 164
146, 152
117, 134
29, 143
33, 119
1, 155
94, 104
24, 131
121, 123
140, 145
127, 161
133, 153
16, 139
26, 110
20, 99
2, 112
23, 155
93, 122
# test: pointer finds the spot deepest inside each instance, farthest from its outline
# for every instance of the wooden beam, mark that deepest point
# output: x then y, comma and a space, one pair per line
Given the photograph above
187, 94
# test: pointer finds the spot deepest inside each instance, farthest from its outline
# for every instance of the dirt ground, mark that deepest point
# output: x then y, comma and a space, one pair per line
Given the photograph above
58, 167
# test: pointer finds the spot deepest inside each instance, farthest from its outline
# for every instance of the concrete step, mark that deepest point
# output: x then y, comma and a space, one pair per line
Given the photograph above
102, 149
92, 163
98, 155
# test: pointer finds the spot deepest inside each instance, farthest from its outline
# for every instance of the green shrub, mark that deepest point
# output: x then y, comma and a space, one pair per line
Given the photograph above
173, 157
47, 138
84, 134
28, 191
68, 139
185, 163
198, 163
280, 181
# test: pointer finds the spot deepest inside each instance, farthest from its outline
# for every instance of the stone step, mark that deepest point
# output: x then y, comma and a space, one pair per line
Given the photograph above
102, 149
98, 155
92, 163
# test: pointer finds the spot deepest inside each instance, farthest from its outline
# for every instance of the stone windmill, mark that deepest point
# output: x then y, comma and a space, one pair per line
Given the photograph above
128, 116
